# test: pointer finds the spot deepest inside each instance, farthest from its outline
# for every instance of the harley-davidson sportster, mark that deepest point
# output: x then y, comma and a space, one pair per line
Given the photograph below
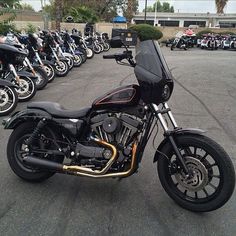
108, 138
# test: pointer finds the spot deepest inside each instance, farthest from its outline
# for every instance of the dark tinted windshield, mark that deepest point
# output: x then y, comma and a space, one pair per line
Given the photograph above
150, 58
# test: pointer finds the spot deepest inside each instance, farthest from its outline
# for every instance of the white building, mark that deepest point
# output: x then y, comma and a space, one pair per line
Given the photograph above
186, 19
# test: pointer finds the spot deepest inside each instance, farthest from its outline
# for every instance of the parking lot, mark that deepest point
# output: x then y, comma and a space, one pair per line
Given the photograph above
204, 97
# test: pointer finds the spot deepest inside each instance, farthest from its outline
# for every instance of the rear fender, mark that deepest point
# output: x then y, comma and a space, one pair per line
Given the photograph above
177, 132
24, 116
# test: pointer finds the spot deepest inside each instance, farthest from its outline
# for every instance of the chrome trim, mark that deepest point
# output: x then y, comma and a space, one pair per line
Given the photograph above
171, 117
160, 117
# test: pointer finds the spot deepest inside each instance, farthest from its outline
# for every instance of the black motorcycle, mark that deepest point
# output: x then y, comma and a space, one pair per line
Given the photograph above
108, 138
179, 42
24, 82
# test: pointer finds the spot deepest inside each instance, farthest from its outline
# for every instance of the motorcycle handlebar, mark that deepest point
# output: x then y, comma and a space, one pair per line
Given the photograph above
112, 56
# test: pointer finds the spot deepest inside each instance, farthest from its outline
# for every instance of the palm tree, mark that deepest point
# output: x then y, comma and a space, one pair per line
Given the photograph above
58, 5
220, 5
10, 3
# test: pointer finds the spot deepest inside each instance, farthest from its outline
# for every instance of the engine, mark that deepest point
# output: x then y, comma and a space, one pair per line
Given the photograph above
118, 129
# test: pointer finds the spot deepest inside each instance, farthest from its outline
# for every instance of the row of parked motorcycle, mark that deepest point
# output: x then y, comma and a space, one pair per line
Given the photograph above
206, 41
29, 62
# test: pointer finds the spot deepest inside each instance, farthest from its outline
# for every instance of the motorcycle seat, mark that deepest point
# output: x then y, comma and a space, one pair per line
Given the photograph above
58, 111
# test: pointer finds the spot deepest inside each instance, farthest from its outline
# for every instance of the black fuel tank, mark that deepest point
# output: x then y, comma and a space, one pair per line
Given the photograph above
123, 96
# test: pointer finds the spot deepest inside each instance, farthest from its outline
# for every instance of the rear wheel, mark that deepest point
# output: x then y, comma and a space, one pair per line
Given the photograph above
8, 100
17, 149
213, 177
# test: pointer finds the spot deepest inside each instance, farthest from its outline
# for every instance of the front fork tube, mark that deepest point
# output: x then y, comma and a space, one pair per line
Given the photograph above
168, 133
28, 63
13, 70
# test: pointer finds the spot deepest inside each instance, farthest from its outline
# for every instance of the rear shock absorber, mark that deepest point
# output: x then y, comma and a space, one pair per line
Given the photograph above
36, 131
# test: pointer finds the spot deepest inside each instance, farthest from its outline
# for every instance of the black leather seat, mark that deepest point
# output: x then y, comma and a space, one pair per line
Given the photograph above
56, 110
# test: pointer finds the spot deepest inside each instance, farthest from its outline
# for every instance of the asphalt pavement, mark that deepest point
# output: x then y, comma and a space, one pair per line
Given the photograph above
204, 97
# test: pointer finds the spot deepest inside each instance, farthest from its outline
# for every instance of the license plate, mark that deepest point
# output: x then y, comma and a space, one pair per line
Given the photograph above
129, 39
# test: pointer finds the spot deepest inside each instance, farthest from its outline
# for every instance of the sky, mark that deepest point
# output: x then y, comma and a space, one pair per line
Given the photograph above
184, 6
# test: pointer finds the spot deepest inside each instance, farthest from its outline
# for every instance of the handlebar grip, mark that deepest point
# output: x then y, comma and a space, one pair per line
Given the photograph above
109, 56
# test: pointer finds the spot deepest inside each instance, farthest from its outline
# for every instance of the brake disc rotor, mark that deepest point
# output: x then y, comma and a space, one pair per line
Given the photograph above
24, 87
200, 175
4, 98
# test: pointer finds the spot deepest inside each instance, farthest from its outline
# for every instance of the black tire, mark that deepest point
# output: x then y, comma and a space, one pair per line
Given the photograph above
50, 71
26, 90
42, 78
70, 62
208, 158
62, 68
97, 49
77, 60
8, 100
106, 47
172, 48
90, 53
15, 156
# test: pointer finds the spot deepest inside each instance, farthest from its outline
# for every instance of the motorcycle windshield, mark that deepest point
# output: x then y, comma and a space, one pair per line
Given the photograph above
150, 60
152, 72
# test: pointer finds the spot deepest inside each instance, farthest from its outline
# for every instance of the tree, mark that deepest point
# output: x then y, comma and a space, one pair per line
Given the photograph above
10, 3
164, 7
25, 6
103, 9
220, 5
83, 14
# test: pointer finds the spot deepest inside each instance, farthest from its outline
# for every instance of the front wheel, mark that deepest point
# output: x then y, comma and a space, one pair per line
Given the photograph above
212, 181
42, 78
26, 89
8, 100
50, 70
90, 53
62, 68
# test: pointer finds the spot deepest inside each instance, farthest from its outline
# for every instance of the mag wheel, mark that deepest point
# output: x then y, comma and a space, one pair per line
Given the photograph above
42, 78
90, 53
8, 100
26, 89
62, 68
17, 149
77, 60
106, 47
212, 181
50, 72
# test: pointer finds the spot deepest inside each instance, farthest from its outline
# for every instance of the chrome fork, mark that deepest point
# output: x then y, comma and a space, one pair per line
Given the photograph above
169, 133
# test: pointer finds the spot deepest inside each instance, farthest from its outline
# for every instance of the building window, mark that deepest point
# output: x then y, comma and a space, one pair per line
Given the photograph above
227, 24
169, 23
149, 22
199, 23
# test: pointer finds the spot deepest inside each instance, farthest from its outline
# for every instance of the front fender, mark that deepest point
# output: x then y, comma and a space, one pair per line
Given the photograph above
175, 133
24, 73
66, 54
7, 83
48, 62
24, 116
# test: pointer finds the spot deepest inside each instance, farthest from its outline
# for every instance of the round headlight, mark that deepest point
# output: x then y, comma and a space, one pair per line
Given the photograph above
166, 93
